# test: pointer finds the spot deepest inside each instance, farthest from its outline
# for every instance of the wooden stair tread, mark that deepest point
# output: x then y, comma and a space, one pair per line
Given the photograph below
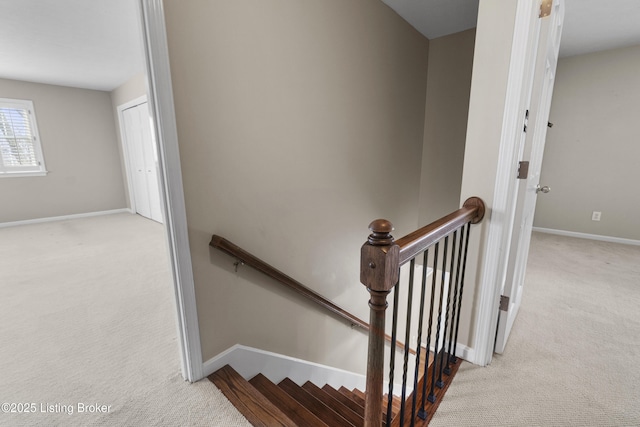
322, 411
430, 407
385, 407
287, 404
256, 408
358, 393
360, 400
352, 404
395, 403
264, 403
342, 410
345, 391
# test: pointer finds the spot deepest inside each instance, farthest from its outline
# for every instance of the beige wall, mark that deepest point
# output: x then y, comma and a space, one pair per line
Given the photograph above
80, 148
445, 124
130, 90
592, 152
134, 88
298, 124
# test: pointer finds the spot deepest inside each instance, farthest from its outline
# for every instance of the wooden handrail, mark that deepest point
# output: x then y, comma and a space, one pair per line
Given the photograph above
251, 260
255, 262
416, 242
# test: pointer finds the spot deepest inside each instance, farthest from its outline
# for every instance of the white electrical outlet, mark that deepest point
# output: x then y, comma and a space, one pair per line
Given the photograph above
595, 216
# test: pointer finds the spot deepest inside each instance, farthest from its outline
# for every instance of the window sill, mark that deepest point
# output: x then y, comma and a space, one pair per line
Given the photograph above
22, 174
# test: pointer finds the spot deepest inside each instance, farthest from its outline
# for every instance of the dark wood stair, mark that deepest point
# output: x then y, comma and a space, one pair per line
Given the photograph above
320, 409
345, 400
264, 403
290, 406
341, 409
256, 408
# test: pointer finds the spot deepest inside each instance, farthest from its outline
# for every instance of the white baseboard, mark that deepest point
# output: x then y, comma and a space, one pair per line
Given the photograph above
248, 362
462, 352
588, 236
466, 353
63, 217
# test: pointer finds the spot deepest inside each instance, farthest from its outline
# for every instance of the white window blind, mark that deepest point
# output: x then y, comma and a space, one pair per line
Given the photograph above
20, 149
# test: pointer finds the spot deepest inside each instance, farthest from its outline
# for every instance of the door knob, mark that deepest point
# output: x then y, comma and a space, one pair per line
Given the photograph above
544, 189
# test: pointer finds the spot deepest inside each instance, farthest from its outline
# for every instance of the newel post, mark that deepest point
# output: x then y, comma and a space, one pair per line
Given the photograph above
379, 271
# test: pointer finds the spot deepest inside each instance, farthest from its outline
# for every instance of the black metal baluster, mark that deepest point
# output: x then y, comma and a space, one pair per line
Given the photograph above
407, 339
464, 266
422, 413
392, 358
419, 348
447, 313
447, 370
432, 395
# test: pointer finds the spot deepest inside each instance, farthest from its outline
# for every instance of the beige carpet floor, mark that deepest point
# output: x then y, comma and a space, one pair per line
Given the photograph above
87, 317
573, 358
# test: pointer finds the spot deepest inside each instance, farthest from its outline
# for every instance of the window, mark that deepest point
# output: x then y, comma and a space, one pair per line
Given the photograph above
20, 150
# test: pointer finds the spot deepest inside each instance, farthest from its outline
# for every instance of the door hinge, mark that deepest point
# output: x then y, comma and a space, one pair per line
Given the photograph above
526, 121
523, 170
504, 303
545, 8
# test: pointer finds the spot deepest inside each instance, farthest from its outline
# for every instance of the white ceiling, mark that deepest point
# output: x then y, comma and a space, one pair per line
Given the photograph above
96, 44
590, 25
437, 18
595, 25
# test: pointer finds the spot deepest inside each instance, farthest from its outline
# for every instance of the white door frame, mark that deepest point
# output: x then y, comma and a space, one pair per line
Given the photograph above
510, 287
124, 143
171, 190
503, 207
544, 78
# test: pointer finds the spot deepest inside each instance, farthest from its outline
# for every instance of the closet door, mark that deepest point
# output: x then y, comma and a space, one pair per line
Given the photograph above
143, 162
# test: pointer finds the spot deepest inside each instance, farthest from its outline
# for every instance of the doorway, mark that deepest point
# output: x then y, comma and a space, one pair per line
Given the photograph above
529, 186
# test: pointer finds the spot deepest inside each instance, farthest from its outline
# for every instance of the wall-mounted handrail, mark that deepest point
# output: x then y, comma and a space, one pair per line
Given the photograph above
251, 260
245, 257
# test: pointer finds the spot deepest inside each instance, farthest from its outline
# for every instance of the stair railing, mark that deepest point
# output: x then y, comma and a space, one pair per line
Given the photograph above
245, 258
381, 259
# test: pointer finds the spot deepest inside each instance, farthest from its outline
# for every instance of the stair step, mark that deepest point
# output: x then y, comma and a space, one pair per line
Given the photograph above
395, 403
264, 403
287, 404
355, 407
430, 408
256, 408
342, 410
322, 411
358, 397
358, 393
351, 395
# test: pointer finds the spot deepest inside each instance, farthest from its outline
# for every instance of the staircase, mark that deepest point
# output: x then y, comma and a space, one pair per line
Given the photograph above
423, 385
264, 403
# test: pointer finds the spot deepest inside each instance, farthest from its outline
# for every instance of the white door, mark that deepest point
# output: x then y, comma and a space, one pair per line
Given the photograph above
143, 161
544, 77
